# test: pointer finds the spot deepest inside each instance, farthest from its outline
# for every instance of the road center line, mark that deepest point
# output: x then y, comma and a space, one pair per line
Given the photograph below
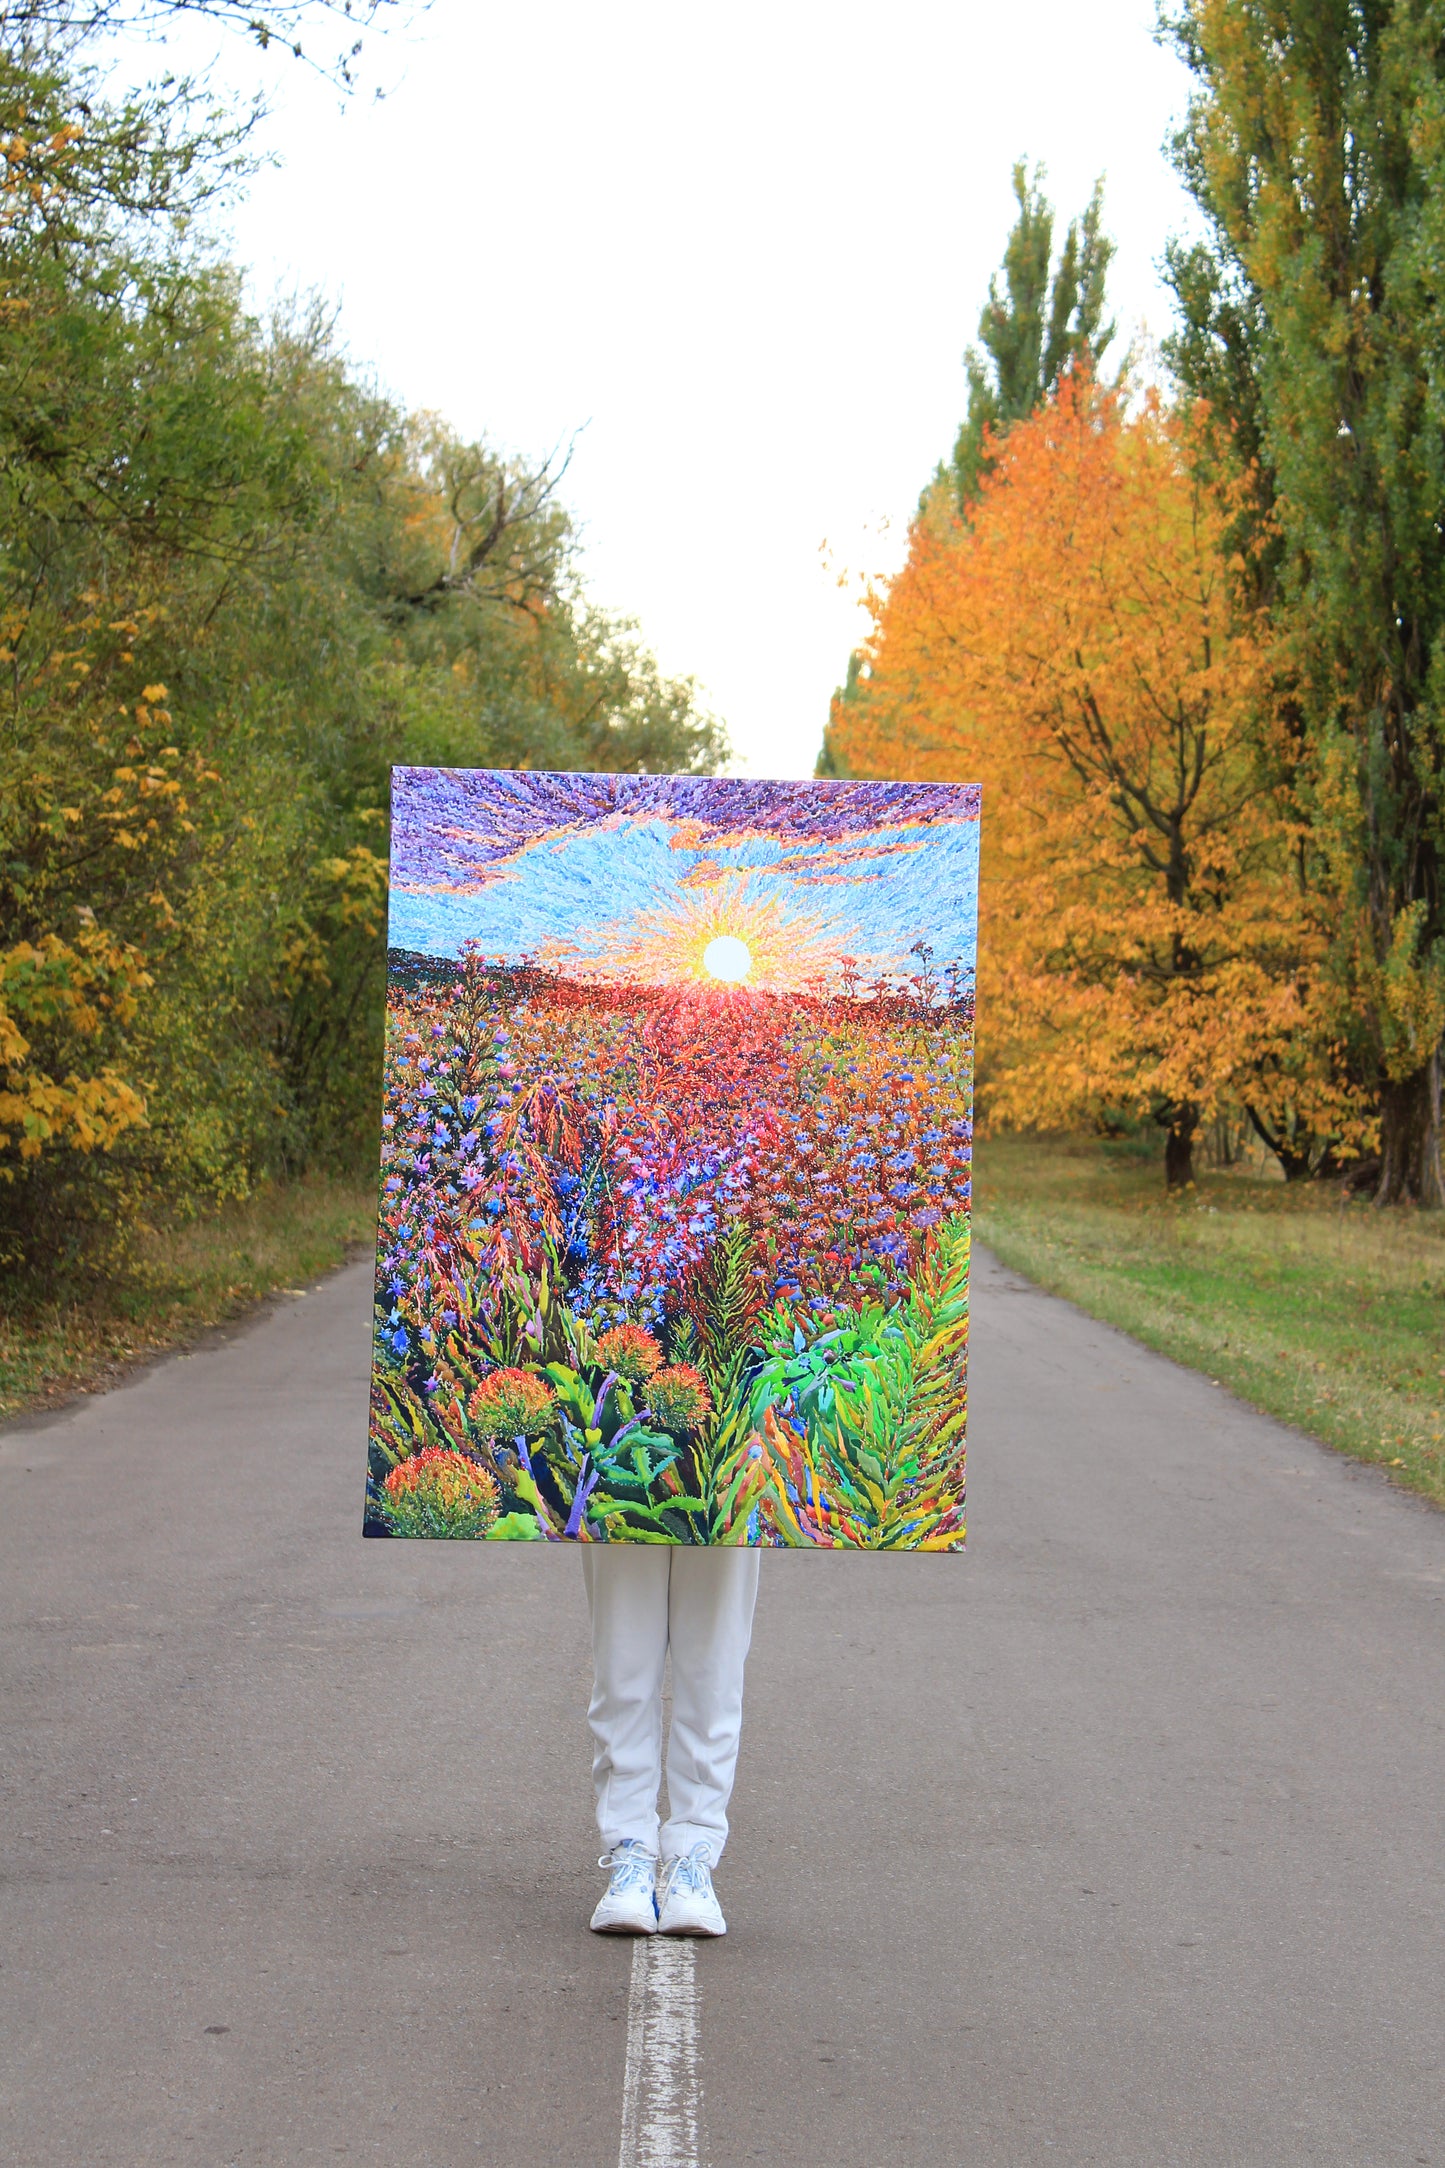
662, 2091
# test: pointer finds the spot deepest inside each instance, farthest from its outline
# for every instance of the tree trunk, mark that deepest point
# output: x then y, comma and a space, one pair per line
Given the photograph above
1179, 1148
1410, 1139
1294, 1165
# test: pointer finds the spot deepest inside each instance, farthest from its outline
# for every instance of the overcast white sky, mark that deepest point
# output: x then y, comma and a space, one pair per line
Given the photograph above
744, 247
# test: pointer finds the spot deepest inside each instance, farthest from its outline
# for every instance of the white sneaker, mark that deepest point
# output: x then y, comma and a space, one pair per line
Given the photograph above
686, 1902
629, 1902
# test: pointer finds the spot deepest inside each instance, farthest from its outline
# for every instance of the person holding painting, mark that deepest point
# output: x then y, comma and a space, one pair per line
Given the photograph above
647, 1601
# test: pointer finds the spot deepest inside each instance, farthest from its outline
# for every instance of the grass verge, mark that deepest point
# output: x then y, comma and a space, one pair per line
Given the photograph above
180, 1281
1314, 1307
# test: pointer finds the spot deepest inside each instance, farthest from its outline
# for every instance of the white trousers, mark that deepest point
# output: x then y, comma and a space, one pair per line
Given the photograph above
647, 1600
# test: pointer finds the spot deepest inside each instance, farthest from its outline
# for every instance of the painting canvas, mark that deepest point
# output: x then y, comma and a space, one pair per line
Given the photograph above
674, 1228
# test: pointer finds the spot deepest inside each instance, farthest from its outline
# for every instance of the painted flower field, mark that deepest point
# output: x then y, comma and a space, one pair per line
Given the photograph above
673, 1241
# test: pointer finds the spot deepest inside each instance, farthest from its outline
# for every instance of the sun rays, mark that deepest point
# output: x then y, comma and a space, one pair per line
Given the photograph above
731, 934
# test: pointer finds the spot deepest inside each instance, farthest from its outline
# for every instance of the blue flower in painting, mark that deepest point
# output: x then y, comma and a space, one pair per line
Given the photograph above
400, 1341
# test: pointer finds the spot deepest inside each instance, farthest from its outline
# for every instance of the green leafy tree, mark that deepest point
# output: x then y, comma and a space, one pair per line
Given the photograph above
1312, 323
236, 586
1048, 313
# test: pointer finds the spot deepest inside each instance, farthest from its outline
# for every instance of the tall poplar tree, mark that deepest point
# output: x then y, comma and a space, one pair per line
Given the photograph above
1046, 314
1314, 323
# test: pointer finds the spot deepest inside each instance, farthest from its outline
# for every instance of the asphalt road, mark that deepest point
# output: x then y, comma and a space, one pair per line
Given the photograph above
1119, 1841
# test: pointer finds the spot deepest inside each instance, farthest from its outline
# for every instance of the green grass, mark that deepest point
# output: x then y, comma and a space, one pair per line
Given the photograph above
180, 1281
1314, 1307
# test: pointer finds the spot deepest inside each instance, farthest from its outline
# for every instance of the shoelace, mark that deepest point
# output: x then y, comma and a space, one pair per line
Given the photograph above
632, 1868
691, 1871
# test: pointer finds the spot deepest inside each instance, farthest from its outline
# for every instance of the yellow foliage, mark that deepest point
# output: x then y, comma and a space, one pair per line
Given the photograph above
70, 990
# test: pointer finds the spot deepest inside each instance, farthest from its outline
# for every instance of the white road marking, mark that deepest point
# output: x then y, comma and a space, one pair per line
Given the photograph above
662, 2091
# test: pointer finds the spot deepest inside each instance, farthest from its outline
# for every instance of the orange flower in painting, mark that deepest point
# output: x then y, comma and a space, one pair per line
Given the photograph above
440, 1493
631, 1352
512, 1404
678, 1397
449, 1478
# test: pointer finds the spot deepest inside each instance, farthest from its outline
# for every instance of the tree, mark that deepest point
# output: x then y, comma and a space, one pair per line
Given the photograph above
1077, 645
33, 25
1032, 332
1312, 321
236, 585
1038, 327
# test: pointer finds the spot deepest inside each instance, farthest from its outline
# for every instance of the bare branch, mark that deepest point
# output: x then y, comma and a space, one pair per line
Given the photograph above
285, 24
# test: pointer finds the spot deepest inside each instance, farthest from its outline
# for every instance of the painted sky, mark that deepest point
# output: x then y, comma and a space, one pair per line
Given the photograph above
632, 877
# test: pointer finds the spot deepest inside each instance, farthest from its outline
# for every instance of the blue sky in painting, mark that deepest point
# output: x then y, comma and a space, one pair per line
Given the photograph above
871, 892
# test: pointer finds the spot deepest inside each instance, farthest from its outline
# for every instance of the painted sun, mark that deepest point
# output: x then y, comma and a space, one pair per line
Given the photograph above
728, 958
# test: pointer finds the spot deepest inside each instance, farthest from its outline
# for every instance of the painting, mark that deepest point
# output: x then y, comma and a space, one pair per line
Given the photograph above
673, 1239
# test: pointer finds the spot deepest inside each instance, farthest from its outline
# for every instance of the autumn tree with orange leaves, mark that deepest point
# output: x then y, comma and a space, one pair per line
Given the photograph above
1077, 644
